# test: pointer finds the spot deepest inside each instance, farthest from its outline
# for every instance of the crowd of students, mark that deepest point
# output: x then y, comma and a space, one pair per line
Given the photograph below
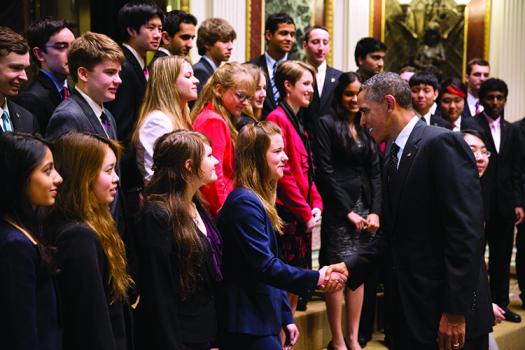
191, 192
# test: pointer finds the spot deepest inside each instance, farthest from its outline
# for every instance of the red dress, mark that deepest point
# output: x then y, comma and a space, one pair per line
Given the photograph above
292, 191
213, 125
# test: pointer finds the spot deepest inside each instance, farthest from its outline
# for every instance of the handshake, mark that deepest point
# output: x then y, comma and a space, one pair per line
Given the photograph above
333, 277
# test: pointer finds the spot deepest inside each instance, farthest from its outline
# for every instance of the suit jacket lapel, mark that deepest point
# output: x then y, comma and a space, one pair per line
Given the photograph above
269, 91
504, 135
112, 125
14, 115
486, 129
136, 65
328, 87
49, 85
90, 115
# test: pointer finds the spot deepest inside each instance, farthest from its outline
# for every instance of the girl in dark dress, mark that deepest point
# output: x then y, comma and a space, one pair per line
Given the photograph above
28, 180
178, 248
93, 281
349, 180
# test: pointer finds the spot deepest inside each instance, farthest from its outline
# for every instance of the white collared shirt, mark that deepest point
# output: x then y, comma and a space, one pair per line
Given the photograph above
2, 109
97, 109
495, 130
270, 62
471, 102
136, 54
457, 124
402, 138
430, 112
165, 50
320, 76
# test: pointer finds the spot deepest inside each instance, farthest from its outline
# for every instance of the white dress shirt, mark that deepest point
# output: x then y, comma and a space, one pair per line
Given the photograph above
320, 76
495, 130
402, 138
136, 54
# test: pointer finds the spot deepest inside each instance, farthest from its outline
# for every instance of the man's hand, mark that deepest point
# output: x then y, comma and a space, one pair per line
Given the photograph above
451, 333
520, 215
330, 281
499, 313
292, 334
372, 223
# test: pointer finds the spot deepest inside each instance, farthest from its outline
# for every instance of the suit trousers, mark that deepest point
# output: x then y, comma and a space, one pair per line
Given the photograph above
500, 236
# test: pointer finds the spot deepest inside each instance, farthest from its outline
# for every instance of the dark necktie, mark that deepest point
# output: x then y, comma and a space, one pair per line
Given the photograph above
392, 168
146, 72
275, 91
105, 122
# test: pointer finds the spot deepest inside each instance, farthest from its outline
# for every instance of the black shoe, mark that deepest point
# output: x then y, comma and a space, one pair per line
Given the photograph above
362, 341
330, 346
301, 304
512, 316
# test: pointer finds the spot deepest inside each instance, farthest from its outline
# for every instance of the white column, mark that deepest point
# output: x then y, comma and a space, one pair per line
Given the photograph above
507, 49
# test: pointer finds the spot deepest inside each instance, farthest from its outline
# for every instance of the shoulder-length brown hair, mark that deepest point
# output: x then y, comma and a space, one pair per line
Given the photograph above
252, 169
79, 159
162, 94
177, 161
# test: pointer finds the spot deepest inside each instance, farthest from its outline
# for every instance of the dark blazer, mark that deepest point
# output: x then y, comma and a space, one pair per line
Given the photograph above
158, 54
163, 320
40, 98
432, 233
520, 129
343, 174
269, 103
321, 105
90, 317
466, 123
202, 71
253, 300
21, 119
503, 177
29, 317
75, 114
437, 120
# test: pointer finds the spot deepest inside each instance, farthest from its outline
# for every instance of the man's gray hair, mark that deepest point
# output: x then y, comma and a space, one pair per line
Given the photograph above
388, 83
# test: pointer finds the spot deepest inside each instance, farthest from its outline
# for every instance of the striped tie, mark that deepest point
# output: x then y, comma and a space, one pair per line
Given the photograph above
6, 123
275, 91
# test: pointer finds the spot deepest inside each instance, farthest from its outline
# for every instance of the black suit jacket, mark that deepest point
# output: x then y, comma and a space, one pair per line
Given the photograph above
202, 71
321, 105
466, 112
503, 177
520, 129
41, 98
158, 54
75, 114
269, 103
21, 119
432, 233
466, 123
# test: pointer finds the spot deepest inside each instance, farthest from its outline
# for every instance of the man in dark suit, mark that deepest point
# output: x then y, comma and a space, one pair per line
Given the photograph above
49, 40
215, 44
14, 60
424, 87
316, 44
478, 70
503, 180
178, 33
432, 224
280, 38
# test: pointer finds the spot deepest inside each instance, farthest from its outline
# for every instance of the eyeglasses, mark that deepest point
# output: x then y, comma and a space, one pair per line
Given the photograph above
59, 46
241, 97
484, 154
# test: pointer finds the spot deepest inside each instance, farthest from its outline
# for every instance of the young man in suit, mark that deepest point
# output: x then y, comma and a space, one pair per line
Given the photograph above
432, 225
478, 70
14, 60
215, 44
280, 38
316, 45
424, 87
504, 182
178, 33
369, 57
49, 40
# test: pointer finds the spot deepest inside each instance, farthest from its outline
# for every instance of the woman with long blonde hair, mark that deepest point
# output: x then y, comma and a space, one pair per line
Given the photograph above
164, 107
224, 96
254, 112
93, 282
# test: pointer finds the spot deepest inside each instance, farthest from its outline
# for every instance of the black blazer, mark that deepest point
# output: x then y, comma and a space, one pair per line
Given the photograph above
432, 233
163, 319
202, 71
321, 105
75, 114
158, 54
269, 102
41, 98
466, 123
520, 128
503, 177
21, 119
90, 318
342, 174
29, 316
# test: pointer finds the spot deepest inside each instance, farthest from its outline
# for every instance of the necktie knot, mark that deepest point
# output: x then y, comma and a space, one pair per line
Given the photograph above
65, 93
146, 72
105, 121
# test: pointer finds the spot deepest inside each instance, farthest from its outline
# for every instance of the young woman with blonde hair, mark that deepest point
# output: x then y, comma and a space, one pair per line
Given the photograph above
164, 107
179, 248
221, 102
93, 282
253, 112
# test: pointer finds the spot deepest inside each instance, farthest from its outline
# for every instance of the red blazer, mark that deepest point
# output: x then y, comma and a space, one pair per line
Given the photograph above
213, 125
292, 190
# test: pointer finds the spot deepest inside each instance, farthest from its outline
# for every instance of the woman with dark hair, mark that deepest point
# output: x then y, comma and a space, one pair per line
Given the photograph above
349, 179
28, 181
93, 281
452, 101
254, 304
179, 250
298, 202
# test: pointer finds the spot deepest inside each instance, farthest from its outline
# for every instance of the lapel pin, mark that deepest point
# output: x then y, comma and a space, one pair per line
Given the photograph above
17, 115
409, 155
332, 80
